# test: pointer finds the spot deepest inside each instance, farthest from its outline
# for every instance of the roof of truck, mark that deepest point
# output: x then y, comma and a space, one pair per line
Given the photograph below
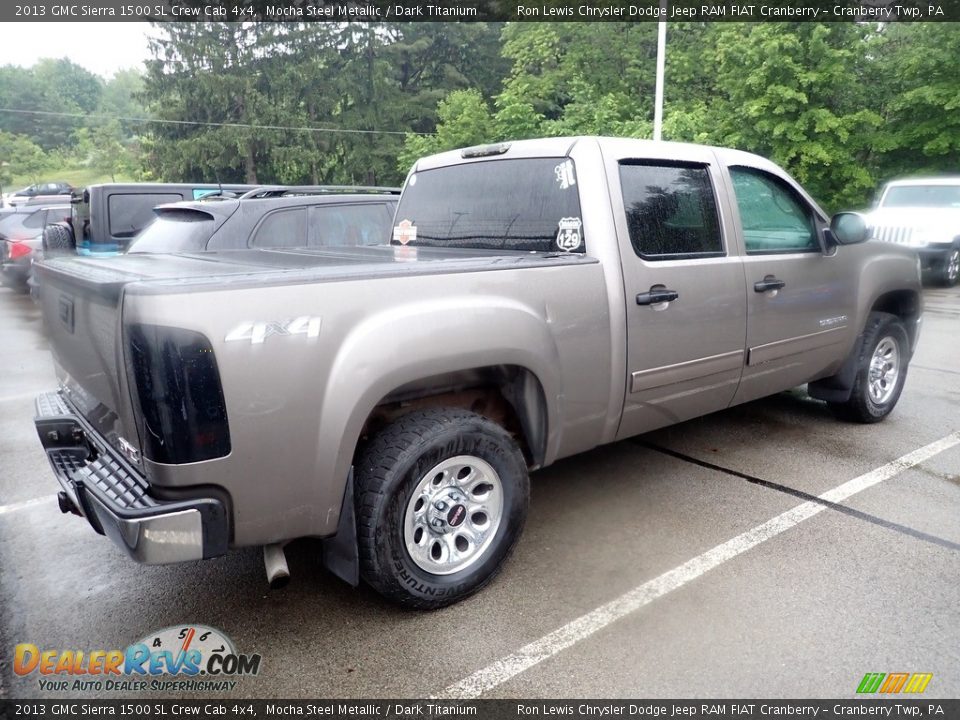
940, 180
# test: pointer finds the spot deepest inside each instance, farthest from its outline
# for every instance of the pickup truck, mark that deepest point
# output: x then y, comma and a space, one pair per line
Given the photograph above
538, 299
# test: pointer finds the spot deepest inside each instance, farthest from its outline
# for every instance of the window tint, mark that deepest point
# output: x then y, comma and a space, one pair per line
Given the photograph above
774, 219
128, 214
350, 225
175, 231
528, 204
671, 210
284, 228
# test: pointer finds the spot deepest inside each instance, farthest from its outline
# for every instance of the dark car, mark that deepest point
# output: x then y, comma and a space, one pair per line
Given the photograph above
273, 217
50, 188
21, 233
106, 217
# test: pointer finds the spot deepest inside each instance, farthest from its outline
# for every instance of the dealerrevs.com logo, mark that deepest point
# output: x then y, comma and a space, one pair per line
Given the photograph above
892, 683
184, 658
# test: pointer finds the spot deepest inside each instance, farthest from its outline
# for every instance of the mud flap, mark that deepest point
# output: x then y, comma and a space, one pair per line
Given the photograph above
837, 388
340, 553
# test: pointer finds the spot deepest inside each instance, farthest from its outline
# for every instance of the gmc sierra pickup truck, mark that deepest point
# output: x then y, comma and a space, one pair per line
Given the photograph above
539, 298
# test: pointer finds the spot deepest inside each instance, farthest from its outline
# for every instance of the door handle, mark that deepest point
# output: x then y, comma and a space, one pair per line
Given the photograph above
768, 283
657, 295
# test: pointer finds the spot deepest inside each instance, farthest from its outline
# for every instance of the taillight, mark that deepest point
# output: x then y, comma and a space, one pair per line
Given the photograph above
181, 414
19, 250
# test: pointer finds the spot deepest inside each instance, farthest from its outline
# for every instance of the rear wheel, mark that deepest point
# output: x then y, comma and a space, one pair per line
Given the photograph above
881, 371
441, 499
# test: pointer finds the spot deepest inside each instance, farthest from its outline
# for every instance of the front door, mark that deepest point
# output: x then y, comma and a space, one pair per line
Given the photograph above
686, 305
800, 303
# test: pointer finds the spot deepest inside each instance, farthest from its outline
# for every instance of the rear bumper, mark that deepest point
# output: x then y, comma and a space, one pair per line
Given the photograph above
114, 497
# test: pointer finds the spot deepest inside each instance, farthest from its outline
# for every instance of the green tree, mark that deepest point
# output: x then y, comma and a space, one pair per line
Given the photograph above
20, 157
792, 92
915, 81
59, 87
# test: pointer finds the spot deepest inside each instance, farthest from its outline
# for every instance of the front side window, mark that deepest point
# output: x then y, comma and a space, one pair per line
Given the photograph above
774, 218
671, 210
525, 204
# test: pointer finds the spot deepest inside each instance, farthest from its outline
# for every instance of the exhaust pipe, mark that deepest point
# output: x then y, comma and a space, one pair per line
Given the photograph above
275, 562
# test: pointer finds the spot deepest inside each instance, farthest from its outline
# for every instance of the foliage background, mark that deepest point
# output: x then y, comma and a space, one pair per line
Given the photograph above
842, 106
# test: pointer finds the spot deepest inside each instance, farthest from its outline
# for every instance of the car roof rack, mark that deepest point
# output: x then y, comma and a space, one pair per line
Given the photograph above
272, 191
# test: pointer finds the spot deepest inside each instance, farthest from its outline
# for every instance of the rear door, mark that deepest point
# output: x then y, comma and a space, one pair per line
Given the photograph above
800, 302
684, 282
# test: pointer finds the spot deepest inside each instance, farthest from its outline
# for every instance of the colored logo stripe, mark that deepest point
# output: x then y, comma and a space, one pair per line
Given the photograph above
871, 682
894, 682
918, 682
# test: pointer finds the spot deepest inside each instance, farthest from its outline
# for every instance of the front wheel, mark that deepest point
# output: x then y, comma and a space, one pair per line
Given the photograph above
441, 497
950, 268
881, 371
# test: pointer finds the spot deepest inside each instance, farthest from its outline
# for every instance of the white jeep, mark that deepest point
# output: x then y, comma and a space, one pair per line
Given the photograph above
923, 213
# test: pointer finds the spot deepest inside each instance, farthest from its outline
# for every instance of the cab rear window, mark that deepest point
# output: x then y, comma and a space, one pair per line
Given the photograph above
528, 204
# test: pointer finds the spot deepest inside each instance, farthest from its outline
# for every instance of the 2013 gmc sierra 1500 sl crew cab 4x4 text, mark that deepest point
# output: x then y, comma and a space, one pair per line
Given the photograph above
539, 298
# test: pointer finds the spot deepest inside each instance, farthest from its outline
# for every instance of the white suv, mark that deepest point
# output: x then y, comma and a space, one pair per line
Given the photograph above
923, 213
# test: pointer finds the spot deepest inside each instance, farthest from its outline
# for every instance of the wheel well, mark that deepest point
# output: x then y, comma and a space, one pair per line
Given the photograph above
905, 304
510, 395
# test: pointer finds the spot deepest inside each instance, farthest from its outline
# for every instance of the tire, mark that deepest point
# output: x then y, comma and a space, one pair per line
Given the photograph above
57, 238
949, 270
413, 486
881, 371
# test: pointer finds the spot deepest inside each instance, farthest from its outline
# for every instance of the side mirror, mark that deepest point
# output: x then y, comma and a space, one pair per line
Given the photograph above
849, 228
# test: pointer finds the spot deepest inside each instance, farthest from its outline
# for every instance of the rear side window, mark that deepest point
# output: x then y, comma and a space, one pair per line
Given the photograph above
774, 218
282, 229
671, 210
175, 231
35, 219
528, 204
350, 225
129, 214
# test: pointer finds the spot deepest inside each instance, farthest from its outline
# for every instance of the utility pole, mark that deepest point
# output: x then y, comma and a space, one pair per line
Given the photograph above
661, 61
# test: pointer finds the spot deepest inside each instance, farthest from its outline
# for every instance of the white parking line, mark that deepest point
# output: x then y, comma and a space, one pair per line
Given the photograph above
584, 626
13, 507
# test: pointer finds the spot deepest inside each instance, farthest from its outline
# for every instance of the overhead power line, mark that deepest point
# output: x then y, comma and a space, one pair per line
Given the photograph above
251, 126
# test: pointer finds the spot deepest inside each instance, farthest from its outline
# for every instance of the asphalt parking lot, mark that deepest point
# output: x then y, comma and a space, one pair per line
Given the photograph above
686, 563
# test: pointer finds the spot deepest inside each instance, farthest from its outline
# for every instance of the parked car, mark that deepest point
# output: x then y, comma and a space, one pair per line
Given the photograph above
923, 214
105, 218
538, 299
273, 217
20, 241
49, 188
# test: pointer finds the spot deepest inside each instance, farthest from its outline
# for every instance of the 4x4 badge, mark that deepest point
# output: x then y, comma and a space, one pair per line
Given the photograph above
256, 332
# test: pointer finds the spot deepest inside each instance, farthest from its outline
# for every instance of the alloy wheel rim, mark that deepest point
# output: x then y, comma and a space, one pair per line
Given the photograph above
453, 515
953, 265
884, 370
